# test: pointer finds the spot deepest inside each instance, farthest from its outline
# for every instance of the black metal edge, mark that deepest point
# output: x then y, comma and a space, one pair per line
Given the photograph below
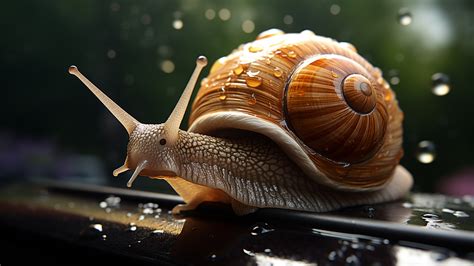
459, 240
455, 240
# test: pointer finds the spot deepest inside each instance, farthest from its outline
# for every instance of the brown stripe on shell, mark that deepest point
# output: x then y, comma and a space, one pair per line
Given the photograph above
285, 53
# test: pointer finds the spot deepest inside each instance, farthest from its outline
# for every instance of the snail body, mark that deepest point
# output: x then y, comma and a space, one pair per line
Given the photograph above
292, 121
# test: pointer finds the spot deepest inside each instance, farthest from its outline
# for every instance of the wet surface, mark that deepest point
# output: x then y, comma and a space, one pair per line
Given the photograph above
141, 227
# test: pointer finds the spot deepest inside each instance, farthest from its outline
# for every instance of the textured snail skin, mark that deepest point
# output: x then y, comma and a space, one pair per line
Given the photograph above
249, 172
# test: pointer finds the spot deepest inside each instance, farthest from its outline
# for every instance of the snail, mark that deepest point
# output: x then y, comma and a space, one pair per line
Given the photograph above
292, 121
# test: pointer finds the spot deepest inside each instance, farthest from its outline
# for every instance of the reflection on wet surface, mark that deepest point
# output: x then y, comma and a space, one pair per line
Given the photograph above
145, 229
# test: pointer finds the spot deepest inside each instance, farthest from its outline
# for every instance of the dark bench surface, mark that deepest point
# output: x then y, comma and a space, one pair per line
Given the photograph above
60, 223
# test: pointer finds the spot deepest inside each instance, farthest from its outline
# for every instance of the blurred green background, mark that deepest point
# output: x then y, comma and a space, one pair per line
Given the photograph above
141, 53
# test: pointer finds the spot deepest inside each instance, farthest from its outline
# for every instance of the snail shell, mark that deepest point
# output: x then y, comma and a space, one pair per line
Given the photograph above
327, 107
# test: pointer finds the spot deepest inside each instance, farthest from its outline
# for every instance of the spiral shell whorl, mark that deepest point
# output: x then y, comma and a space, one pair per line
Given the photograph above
358, 93
334, 109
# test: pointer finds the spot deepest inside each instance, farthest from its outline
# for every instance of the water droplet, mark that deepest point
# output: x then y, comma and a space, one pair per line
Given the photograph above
103, 204
108, 210
213, 257
129, 214
254, 82
448, 210
248, 26
335, 9
334, 74
430, 216
404, 17
440, 84
291, 54
93, 231
288, 19
224, 14
407, 205
251, 73
426, 152
141, 217
252, 100
113, 201
254, 48
178, 24
104, 237
157, 231
132, 227
210, 14
248, 252
277, 72
97, 227
261, 229
460, 214
222, 95
267, 250
147, 211
238, 69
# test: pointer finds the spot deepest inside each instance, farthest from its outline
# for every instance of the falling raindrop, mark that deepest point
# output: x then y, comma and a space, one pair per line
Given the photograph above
440, 84
167, 66
335, 9
178, 24
288, 19
404, 17
248, 26
210, 14
224, 14
426, 152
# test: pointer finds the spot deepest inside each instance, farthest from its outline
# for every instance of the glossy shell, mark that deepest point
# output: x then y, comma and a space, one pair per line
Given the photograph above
320, 101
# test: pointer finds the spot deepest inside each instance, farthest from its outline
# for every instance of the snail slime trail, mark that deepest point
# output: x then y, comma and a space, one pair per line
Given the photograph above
333, 137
